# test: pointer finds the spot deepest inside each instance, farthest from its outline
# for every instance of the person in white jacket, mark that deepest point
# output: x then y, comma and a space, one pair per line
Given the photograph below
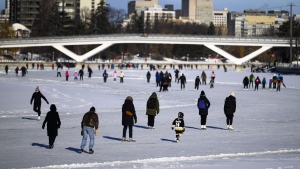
121, 77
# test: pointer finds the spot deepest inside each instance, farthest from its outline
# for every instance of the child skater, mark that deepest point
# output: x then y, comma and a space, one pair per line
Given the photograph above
178, 125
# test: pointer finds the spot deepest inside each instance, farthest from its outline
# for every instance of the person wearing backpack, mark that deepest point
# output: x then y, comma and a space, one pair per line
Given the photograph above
257, 82
203, 106
229, 110
152, 109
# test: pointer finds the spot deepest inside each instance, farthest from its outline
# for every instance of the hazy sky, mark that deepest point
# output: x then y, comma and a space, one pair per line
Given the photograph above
232, 5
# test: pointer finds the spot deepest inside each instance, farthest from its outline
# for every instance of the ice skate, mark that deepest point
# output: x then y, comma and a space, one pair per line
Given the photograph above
230, 127
81, 150
124, 139
39, 118
131, 140
91, 151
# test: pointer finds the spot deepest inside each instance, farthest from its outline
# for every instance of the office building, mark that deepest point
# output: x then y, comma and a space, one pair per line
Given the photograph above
156, 13
140, 5
200, 11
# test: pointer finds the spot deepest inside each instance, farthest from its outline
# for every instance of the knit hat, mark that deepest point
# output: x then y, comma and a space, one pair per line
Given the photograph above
232, 93
202, 93
37, 88
92, 109
129, 98
53, 107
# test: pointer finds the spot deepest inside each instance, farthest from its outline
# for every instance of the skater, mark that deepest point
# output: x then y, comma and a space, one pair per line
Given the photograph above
122, 77
257, 82
178, 125
274, 79
58, 72
176, 75
115, 75
203, 76
89, 122
23, 71
246, 82
197, 82
148, 75
152, 109
213, 75
211, 83
182, 81
169, 80
251, 80
53, 124
17, 71
67, 75
229, 110
90, 72
158, 78
6, 69
278, 85
264, 83
75, 75
104, 76
281, 79
203, 106
270, 83
128, 118
36, 96
81, 73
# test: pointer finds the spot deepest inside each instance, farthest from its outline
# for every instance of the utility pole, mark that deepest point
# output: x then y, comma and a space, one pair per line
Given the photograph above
291, 32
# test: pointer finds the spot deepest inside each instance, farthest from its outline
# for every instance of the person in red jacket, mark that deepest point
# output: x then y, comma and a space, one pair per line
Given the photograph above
67, 75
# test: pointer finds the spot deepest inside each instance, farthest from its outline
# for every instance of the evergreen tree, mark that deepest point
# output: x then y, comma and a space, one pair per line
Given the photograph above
211, 29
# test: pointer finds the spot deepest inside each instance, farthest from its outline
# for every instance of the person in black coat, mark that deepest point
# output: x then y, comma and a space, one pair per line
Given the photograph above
81, 74
53, 124
37, 97
182, 81
197, 82
257, 82
90, 71
229, 110
128, 117
203, 111
246, 82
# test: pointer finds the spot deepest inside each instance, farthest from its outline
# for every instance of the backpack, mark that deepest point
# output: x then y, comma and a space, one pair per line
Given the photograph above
201, 104
151, 104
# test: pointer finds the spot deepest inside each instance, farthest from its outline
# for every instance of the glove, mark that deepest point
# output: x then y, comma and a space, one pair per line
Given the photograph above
135, 121
96, 132
82, 132
43, 126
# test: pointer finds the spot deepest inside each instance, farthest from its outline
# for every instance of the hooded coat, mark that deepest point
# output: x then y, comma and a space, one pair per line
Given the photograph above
246, 81
203, 97
154, 111
128, 106
53, 121
230, 109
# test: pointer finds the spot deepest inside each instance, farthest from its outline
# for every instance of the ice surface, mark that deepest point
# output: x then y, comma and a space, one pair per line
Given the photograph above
266, 122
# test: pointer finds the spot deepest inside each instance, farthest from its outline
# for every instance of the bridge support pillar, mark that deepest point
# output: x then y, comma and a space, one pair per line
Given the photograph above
78, 65
239, 68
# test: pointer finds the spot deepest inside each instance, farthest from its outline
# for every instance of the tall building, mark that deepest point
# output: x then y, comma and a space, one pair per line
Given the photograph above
140, 5
200, 11
156, 13
220, 17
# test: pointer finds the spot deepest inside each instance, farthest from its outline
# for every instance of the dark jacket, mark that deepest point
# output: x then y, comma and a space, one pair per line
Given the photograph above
53, 122
203, 76
90, 119
257, 81
80, 72
148, 74
204, 111
127, 119
230, 109
154, 111
197, 80
182, 79
37, 97
246, 81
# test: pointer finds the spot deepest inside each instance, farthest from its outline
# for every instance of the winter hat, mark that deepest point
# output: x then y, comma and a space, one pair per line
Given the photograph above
92, 109
37, 88
53, 107
129, 98
232, 93
202, 93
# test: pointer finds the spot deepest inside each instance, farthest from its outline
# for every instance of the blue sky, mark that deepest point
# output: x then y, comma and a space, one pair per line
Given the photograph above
232, 5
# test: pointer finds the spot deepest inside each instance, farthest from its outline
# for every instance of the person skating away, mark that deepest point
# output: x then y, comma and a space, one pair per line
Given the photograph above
203, 77
122, 77
213, 75
257, 82
274, 79
251, 80
182, 81
278, 85
67, 75
264, 83
90, 71
203, 105
37, 97
270, 83
176, 75
152, 109
128, 118
105, 75
246, 82
58, 72
81, 73
211, 83
158, 79
53, 124
6, 69
115, 75
148, 75
17, 71
178, 126
89, 122
163, 82
197, 82
229, 110
24, 71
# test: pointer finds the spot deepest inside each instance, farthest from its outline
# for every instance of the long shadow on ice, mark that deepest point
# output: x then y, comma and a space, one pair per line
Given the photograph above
219, 128
173, 141
73, 149
29, 118
112, 138
190, 127
142, 127
40, 145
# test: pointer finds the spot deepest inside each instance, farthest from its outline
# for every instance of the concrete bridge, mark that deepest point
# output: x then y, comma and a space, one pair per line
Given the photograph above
106, 41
